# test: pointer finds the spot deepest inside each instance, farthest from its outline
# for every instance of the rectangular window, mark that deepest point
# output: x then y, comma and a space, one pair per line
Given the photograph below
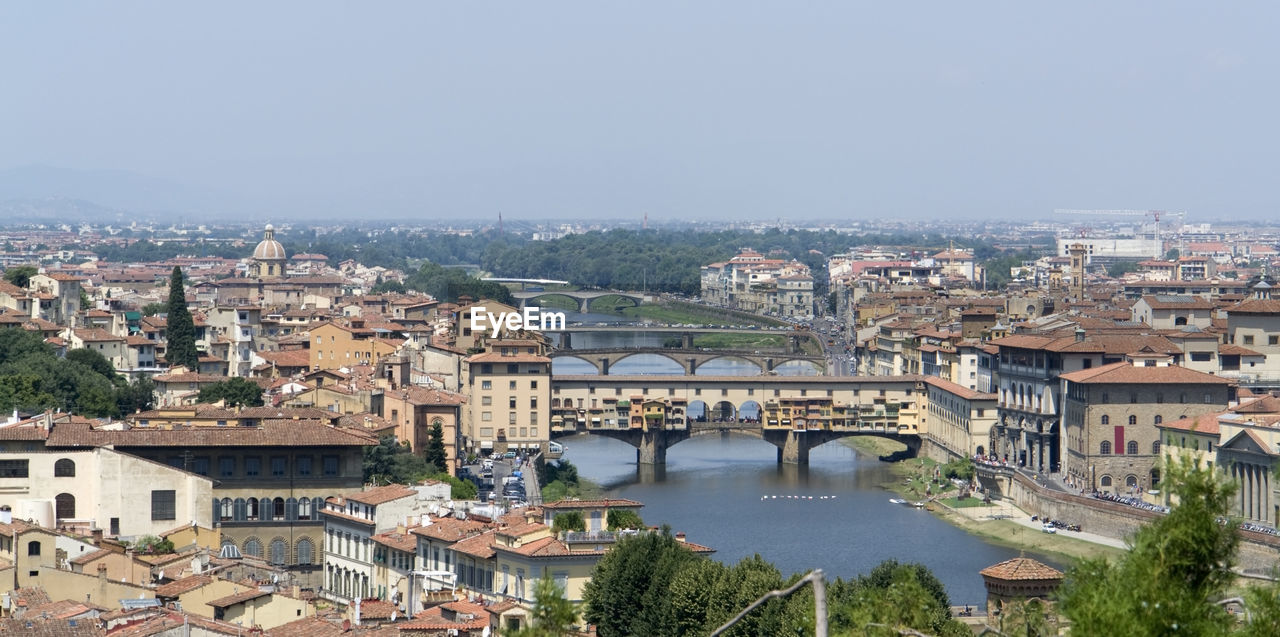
513, 368
279, 466
13, 468
486, 432
486, 384
1201, 357
252, 466
533, 418
163, 504
1273, 339
304, 465
511, 385
226, 466
331, 465
533, 384
486, 401
511, 417
1248, 339
511, 402
486, 416
200, 465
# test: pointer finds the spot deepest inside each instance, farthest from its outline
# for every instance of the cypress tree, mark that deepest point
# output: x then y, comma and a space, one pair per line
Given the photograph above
181, 349
435, 448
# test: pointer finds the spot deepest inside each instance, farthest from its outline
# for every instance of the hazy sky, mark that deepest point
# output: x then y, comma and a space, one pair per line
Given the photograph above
679, 109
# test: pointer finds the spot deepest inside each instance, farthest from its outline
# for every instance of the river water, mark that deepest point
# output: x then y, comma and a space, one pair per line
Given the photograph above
712, 488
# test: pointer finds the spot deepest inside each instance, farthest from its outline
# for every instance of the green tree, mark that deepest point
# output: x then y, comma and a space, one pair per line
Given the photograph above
85, 303
384, 287
1176, 568
152, 309
19, 275
235, 392
552, 615
1172, 254
94, 361
181, 346
623, 519
153, 545
435, 453
571, 521
459, 489
1120, 268
627, 593
136, 396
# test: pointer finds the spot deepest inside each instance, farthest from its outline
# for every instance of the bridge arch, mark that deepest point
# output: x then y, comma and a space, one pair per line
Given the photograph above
723, 411
617, 298
697, 411
798, 367
529, 300
720, 366
649, 358
750, 411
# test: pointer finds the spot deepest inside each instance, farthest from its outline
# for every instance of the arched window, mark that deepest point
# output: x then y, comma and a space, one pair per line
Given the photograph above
228, 509
1182, 398
1159, 419
306, 552
33, 547
64, 468
1104, 481
251, 509
1105, 448
65, 504
253, 547
1133, 420
1131, 480
278, 551
1155, 448
1106, 420
1155, 477
277, 509
1132, 448
304, 509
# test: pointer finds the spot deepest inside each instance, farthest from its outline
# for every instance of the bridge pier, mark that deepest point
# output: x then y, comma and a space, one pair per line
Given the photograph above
566, 340
652, 448
604, 367
795, 449
584, 305
690, 366
686, 341
768, 365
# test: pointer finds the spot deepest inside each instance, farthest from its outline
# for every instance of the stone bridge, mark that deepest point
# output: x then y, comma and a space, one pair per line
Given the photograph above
689, 359
582, 297
793, 444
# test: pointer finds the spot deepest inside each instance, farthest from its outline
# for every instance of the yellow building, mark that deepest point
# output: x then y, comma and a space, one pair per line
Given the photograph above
509, 398
334, 345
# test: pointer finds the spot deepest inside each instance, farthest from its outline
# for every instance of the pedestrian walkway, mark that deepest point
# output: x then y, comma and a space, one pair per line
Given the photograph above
1007, 511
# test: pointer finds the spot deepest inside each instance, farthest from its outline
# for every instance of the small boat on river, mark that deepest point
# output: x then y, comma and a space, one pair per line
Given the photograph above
897, 501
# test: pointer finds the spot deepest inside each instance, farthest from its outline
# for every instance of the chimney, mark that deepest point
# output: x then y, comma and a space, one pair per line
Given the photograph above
531, 516
680, 537
1079, 334
97, 536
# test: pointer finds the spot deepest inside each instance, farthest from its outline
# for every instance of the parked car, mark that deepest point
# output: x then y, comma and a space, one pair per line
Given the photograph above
508, 455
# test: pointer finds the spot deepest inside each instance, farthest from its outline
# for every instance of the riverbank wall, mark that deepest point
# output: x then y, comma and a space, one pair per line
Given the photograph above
1258, 551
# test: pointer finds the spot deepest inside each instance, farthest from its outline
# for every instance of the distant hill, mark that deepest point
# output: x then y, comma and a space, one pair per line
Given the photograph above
41, 190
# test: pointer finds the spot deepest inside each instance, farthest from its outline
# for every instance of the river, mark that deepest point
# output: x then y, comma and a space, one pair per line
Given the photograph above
711, 488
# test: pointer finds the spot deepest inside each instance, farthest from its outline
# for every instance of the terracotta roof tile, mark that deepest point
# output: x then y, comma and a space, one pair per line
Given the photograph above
379, 495
1204, 424
1021, 569
184, 585
1128, 374
286, 433
237, 598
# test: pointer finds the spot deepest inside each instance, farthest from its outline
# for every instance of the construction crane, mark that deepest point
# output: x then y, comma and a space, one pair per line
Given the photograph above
1154, 214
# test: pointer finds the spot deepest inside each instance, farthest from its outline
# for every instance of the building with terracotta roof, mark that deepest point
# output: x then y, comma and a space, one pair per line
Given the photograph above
335, 345
366, 539
509, 398
1016, 581
753, 283
51, 485
1110, 416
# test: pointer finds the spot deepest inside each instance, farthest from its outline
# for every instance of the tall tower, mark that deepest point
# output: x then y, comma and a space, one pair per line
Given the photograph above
1077, 252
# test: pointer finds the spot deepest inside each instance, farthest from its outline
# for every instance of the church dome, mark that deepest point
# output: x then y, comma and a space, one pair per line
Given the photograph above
269, 249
